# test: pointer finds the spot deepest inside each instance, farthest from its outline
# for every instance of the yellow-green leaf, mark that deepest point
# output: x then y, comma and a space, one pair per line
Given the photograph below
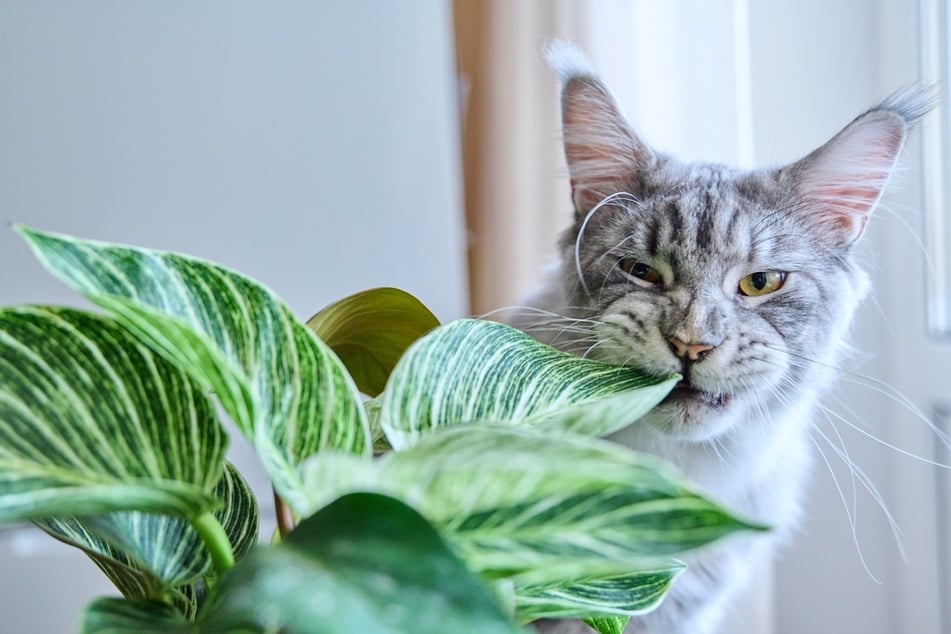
371, 330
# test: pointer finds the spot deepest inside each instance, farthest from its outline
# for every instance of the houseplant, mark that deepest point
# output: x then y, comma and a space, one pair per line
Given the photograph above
499, 504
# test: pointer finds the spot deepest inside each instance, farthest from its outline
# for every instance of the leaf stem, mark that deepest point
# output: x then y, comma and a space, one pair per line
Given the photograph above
285, 519
216, 541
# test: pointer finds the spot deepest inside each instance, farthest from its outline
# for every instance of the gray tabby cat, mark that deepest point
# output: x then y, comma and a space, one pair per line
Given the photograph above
741, 281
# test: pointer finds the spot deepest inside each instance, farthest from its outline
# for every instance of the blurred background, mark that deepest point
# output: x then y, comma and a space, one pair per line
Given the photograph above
327, 147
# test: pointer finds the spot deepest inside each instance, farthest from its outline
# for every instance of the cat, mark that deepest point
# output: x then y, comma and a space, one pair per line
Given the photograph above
743, 282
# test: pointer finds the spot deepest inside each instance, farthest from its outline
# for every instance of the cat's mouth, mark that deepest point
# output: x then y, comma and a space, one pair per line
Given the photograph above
685, 393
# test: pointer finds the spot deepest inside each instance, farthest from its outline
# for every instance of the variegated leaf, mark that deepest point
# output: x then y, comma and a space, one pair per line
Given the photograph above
624, 595
282, 386
608, 624
365, 563
151, 556
92, 421
380, 443
536, 507
133, 616
473, 371
371, 330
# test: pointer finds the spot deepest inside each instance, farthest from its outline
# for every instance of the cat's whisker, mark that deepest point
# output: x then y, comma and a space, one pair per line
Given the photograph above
830, 415
893, 447
915, 235
870, 487
616, 248
608, 201
592, 348
847, 459
563, 327
568, 332
715, 446
851, 519
759, 403
605, 343
521, 310
857, 474
879, 387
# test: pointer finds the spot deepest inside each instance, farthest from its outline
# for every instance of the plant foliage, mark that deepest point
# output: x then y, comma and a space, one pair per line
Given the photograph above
499, 506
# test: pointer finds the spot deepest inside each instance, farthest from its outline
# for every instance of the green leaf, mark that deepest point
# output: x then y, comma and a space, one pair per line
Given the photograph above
92, 421
380, 443
608, 624
365, 563
472, 371
371, 330
283, 387
621, 596
239, 515
125, 616
535, 507
141, 568
153, 556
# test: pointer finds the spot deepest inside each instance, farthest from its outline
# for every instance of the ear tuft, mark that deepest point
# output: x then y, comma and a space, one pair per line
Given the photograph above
567, 61
912, 103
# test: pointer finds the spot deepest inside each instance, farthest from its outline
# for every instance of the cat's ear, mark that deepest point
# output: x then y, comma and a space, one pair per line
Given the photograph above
603, 153
842, 181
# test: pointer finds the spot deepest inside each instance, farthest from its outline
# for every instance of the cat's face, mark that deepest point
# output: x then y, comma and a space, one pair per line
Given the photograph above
709, 275
742, 282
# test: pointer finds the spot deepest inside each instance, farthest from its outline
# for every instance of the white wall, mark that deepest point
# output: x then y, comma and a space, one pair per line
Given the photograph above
312, 145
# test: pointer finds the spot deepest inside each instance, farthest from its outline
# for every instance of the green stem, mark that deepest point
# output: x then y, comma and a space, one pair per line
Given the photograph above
216, 541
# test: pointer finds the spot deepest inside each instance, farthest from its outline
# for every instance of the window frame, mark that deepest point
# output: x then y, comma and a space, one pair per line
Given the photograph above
936, 146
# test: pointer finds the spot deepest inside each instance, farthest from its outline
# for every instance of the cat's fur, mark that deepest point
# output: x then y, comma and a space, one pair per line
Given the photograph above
738, 425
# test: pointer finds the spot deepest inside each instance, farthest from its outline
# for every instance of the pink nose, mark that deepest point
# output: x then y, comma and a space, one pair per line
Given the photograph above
691, 351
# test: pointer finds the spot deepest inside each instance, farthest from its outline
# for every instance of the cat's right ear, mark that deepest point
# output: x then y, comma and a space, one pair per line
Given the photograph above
842, 181
603, 153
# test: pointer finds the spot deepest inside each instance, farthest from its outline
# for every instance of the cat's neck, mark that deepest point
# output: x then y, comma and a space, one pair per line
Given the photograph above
758, 468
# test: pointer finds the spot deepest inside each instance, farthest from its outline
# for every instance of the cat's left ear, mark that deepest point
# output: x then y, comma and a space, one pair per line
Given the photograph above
842, 181
603, 153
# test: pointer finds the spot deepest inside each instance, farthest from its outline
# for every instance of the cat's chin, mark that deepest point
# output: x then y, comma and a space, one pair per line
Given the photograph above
693, 414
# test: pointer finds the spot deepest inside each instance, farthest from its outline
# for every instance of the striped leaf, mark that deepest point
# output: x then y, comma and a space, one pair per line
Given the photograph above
371, 330
92, 421
621, 596
473, 371
133, 616
282, 387
608, 624
153, 556
365, 563
535, 507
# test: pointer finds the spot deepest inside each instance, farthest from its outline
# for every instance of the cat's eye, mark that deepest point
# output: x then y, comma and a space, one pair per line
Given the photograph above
761, 283
640, 270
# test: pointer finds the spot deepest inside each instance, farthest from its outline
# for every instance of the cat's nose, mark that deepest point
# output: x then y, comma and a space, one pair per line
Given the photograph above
690, 351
